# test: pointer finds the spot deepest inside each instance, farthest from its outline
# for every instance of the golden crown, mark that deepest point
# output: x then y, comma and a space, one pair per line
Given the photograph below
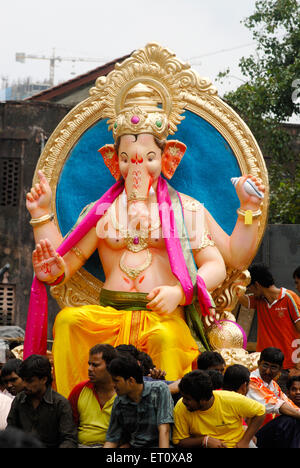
143, 94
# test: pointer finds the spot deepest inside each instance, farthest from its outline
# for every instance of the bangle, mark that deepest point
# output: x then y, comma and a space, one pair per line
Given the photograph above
78, 252
248, 215
205, 440
42, 220
58, 280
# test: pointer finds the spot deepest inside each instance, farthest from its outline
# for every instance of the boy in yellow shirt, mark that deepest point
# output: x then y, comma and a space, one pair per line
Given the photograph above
213, 419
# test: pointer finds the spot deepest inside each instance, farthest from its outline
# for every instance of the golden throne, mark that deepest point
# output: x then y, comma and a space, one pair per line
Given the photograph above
219, 146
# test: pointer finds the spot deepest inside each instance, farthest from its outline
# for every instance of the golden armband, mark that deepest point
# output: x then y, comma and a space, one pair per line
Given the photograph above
79, 254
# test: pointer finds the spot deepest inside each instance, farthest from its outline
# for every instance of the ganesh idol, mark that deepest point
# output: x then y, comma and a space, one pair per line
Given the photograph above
162, 252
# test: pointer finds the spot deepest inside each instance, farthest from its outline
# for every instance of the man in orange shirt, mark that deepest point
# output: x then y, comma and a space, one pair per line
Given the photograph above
278, 315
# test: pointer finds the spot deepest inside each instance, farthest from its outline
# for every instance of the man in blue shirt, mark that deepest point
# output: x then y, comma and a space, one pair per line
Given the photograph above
142, 411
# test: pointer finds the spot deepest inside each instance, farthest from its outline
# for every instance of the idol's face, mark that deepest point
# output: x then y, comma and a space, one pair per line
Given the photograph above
140, 162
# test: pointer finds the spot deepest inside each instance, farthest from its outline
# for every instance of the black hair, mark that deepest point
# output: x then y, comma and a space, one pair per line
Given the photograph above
108, 352
235, 376
126, 367
197, 384
36, 366
123, 349
160, 143
261, 274
216, 378
296, 273
273, 355
291, 380
208, 359
12, 365
146, 362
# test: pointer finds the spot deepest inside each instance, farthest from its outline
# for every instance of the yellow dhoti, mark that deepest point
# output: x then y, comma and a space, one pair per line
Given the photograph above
165, 337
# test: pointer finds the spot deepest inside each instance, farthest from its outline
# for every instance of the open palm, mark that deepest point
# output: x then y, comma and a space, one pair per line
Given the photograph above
47, 263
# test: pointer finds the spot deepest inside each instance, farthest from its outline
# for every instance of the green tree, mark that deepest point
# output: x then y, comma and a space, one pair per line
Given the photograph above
270, 96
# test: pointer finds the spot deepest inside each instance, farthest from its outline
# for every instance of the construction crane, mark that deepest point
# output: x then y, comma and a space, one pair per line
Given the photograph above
21, 57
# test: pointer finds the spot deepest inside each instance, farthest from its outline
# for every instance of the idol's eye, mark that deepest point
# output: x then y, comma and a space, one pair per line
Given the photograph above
124, 157
151, 156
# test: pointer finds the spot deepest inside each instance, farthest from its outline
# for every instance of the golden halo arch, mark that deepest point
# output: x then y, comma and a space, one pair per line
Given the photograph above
157, 66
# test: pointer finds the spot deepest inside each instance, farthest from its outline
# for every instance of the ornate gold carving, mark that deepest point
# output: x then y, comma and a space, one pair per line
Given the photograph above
191, 92
225, 296
206, 241
240, 356
81, 289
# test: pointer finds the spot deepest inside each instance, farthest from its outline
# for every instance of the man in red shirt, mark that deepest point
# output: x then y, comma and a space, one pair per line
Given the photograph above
278, 315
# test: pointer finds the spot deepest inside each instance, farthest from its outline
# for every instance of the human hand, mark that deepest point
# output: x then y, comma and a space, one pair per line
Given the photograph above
215, 443
38, 200
242, 444
165, 299
47, 263
157, 374
247, 201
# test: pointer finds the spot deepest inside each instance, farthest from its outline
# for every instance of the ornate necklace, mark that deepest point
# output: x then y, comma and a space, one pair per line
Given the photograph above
136, 239
134, 272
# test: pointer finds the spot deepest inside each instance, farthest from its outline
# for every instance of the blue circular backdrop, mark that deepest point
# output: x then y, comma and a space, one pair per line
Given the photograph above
204, 173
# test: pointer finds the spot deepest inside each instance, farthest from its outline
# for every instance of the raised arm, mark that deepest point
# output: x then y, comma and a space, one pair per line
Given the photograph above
38, 203
48, 265
239, 248
210, 263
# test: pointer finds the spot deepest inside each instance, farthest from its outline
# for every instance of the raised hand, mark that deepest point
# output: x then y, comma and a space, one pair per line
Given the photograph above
249, 202
47, 263
38, 200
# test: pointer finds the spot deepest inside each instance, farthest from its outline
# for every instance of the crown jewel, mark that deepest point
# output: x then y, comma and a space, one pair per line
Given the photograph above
143, 94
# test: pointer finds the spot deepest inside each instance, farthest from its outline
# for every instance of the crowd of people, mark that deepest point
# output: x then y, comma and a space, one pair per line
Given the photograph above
128, 403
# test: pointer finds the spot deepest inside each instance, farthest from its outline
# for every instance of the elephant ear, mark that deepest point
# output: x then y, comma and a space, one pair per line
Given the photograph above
171, 157
110, 158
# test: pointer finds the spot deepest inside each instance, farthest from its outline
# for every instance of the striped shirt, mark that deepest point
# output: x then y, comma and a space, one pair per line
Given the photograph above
276, 324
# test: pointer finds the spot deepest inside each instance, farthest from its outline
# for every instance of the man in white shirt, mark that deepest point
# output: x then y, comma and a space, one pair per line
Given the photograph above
282, 431
5, 404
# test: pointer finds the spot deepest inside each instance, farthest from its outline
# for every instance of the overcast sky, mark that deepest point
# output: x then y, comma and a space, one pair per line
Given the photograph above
208, 34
